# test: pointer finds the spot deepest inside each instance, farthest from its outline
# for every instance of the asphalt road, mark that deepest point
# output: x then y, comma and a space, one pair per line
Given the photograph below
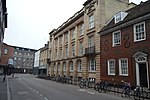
27, 87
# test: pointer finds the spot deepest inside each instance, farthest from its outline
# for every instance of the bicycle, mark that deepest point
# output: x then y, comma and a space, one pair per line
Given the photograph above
139, 93
103, 86
126, 90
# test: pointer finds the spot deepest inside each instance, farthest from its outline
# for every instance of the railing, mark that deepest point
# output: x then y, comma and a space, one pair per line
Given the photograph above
90, 50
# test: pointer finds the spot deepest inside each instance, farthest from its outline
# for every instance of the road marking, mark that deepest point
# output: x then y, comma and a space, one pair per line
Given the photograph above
8, 90
45, 98
41, 95
91, 93
37, 92
22, 92
82, 90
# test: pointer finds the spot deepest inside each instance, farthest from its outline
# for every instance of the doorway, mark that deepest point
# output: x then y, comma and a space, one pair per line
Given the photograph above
143, 76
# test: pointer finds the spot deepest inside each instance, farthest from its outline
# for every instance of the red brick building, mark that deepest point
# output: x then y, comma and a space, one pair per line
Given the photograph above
125, 47
7, 53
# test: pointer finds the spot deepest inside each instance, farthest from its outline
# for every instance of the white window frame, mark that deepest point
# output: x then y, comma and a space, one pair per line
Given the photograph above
91, 21
118, 17
5, 51
118, 38
110, 66
121, 65
15, 58
144, 32
90, 65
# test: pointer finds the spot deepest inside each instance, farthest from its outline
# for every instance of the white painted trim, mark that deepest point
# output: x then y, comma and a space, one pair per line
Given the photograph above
148, 78
135, 31
137, 74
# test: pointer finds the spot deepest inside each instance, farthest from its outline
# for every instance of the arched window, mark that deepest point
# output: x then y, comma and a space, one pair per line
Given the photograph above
71, 66
64, 66
92, 65
59, 67
79, 66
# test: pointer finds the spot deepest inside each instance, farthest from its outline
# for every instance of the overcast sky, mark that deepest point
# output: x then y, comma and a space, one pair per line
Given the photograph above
30, 21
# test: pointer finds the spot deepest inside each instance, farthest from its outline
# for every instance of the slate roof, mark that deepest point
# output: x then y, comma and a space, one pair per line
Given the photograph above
133, 13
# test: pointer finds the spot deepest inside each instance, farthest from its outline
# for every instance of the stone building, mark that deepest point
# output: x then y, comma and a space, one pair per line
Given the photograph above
125, 47
74, 48
24, 59
43, 60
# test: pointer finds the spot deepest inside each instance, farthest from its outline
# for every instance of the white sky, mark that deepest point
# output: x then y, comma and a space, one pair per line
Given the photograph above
30, 21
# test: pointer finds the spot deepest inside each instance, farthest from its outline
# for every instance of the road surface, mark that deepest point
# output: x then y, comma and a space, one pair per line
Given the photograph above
27, 87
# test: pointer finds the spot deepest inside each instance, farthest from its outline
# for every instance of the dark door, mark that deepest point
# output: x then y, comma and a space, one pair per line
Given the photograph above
143, 75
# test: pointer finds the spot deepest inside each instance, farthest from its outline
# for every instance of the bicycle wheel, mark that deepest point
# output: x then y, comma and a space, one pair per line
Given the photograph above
99, 89
144, 94
136, 95
81, 85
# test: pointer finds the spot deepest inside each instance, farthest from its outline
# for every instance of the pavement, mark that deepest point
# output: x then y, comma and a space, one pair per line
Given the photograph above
3, 88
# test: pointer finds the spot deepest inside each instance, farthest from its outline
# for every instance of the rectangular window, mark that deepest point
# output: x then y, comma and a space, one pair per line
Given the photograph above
16, 53
111, 67
60, 53
116, 38
56, 55
56, 43
73, 33
15, 58
123, 67
73, 50
82, 29
66, 36
92, 65
5, 51
19, 59
139, 32
91, 41
60, 40
118, 17
81, 49
66, 51
91, 21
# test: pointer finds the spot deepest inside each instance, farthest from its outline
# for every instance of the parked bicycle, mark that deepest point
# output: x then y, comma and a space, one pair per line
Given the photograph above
140, 93
126, 90
103, 86
82, 83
